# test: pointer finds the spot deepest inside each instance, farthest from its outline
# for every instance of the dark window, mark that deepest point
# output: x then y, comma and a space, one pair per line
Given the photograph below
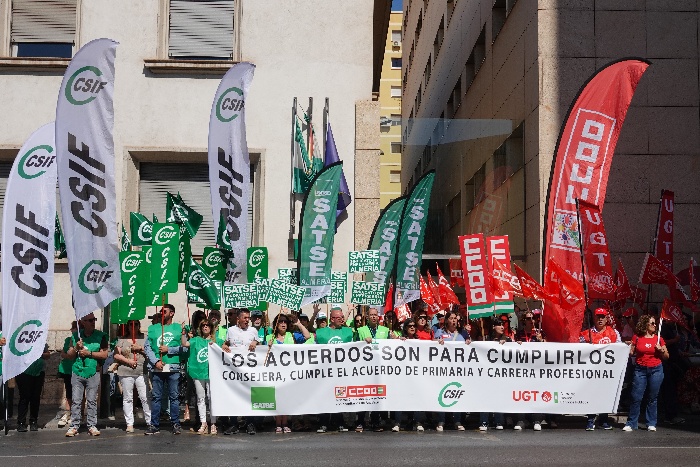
44, 49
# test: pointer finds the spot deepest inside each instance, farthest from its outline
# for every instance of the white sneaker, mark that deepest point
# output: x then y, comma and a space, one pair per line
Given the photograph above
439, 429
537, 427
499, 427
459, 427
651, 428
396, 429
483, 427
519, 426
63, 421
627, 428
420, 428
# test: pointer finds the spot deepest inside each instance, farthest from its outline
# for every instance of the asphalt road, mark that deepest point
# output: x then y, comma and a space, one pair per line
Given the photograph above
667, 447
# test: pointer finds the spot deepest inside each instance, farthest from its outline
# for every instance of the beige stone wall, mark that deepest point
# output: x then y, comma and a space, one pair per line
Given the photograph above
366, 192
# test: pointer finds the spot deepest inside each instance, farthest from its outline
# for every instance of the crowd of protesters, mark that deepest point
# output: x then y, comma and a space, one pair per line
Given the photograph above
168, 366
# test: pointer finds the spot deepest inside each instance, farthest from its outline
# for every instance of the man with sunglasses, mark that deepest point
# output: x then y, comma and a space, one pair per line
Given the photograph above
599, 333
89, 346
163, 350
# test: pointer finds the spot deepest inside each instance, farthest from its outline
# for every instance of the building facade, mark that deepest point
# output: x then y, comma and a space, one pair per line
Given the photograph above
486, 88
390, 113
171, 57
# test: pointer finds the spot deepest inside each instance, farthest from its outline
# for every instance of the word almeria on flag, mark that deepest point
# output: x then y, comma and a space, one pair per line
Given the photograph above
85, 155
28, 223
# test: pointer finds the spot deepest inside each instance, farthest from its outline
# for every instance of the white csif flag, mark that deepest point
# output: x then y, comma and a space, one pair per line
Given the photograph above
28, 224
85, 154
229, 164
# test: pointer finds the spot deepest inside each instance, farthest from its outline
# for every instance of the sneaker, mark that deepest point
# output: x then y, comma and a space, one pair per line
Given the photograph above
484, 427
439, 428
129, 428
152, 430
232, 430
519, 426
420, 429
342, 429
590, 426
278, 430
72, 431
33, 426
212, 430
93, 431
250, 429
606, 426
286, 429
177, 429
203, 429
322, 429
63, 421
651, 428
358, 429
627, 428
22, 427
396, 429
499, 427
537, 427
459, 427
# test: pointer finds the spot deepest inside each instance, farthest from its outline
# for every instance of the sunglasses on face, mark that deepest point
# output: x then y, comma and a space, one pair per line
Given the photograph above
283, 321
652, 324
423, 317
411, 325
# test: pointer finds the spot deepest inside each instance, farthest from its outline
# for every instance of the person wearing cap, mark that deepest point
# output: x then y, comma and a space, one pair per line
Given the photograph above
335, 333
256, 320
599, 333
244, 337
439, 321
321, 321
163, 350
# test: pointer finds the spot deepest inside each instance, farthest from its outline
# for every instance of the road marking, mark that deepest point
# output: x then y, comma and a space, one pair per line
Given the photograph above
93, 454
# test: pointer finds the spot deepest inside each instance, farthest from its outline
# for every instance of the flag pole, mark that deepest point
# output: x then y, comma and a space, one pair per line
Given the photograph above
309, 130
292, 217
583, 272
325, 129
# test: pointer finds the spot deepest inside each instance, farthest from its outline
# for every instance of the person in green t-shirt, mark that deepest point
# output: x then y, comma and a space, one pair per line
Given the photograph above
257, 320
198, 369
392, 323
370, 333
65, 372
30, 383
88, 347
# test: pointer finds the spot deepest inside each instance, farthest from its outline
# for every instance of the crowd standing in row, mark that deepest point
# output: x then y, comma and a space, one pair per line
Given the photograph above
157, 364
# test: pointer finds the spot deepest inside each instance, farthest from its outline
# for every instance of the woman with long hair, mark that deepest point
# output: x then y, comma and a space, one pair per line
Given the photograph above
391, 322
131, 357
423, 330
409, 332
198, 370
649, 350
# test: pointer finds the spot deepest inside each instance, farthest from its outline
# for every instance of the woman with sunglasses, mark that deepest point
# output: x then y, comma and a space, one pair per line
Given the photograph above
131, 357
649, 350
450, 332
409, 332
198, 369
423, 331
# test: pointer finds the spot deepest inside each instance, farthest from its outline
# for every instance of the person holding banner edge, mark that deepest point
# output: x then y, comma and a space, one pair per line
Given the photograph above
649, 349
164, 368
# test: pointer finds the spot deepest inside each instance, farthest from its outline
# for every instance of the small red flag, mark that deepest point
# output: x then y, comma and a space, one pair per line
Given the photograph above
639, 295
456, 275
559, 283
447, 295
671, 312
530, 287
694, 286
503, 280
622, 283
435, 290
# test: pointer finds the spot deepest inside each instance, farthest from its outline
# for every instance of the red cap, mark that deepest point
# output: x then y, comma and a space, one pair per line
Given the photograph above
601, 311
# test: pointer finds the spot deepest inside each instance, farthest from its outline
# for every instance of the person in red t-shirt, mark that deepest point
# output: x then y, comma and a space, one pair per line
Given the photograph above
423, 331
649, 349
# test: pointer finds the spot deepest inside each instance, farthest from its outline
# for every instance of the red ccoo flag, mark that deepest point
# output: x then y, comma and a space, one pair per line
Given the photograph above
427, 296
447, 295
435, 290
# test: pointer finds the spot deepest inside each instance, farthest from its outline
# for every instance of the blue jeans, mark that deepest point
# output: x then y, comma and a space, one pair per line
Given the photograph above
645, 378
158, 380
498, 418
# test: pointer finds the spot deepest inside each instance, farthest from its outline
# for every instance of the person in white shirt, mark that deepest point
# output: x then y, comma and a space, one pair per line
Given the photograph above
246, 336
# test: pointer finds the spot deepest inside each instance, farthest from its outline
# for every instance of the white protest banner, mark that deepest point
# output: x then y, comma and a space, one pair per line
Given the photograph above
289, 275
364, 261
284, 294
85, 157
418, 375
368, 293
229, 163
240, 296
28, 224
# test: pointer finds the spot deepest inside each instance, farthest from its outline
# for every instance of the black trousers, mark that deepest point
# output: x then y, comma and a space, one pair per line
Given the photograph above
7, 399
30, 388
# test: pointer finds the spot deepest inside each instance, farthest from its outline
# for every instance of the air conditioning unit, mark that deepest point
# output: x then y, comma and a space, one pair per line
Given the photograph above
397, 44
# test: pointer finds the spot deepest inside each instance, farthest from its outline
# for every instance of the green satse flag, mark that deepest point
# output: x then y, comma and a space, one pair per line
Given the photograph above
165, 258
200, 285
176, 211
384, 239
411, 236
141, 229
317, 233
126, 243
59, 242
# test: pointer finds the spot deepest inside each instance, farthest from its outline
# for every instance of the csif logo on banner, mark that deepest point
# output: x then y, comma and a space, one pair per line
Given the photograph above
93, 276
213, 259
198, 280
145, 232
229, 105
84, 85
165, 234
203, 355
256, 258
22, 340
450, 394
37, 158
130, 263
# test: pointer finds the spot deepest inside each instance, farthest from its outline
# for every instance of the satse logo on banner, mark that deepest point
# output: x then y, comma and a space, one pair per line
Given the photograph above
263, 398
84, 85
